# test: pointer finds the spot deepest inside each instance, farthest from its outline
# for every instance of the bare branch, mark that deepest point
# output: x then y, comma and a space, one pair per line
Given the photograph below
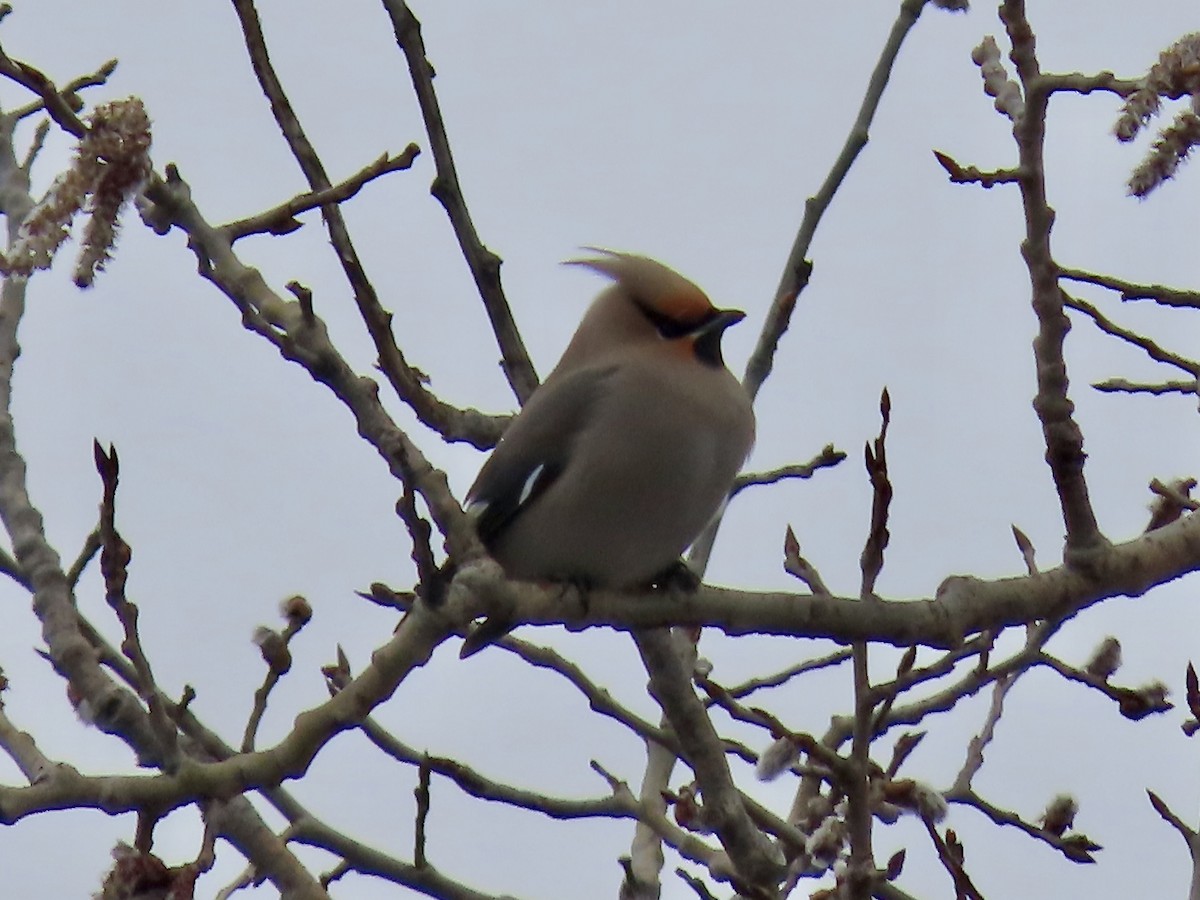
828, 457
746, 688
476, 784
115, 554
724, 809
1063, 437
23, 750
367, 860
58, 105
421, 792
1149, 347
1081, 83
407, 382
877, 538
960, 174
796, 565
484, 264
1189, 834
277, 655
1027, 551
1133, 703
797, 268
9, 567
1129, 290
281, 219
91, 546
306, 342
963, 606
1172, 501
974, 760
950, 852
69, 93
1123, 386
1076, 847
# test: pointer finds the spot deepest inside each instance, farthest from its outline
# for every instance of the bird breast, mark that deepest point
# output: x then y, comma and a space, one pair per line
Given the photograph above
645, 476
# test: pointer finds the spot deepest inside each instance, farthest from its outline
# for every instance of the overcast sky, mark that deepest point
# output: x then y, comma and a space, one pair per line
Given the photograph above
691, 132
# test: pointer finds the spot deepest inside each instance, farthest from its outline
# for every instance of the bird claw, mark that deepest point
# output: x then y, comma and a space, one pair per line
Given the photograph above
484, 634
678, 576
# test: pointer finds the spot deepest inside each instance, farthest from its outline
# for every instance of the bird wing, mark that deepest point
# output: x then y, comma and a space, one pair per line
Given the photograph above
535, 449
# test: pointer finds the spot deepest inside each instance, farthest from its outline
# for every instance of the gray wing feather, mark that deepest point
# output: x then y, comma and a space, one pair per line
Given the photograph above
535, 448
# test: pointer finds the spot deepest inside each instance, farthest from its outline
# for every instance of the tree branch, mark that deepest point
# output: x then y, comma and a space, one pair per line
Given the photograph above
452, 424
797, 268
281, 219
724, 811
1129, 290
483, 263
1149, 347
1063, 437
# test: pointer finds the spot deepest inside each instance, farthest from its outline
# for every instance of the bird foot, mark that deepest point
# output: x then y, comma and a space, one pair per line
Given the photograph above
678, 576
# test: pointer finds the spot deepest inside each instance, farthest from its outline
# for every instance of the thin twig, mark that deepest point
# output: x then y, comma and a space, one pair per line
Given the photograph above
1123, 386
798, 567
262, 694
1081, 83
475, 784
91, 546
1189, 835
746, 688
69, 91
483, 263
826, 458
306, 342
871, 560
1075, 847
1149, 347
1133, 703
797, 268
960, 174
480, 431
56, 104
974, 760
115, 554
1028, 554
949, 852
421, 792
281, 219
1129, 290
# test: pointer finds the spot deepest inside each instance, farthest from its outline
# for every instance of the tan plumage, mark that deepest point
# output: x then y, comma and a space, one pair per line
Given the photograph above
629, 447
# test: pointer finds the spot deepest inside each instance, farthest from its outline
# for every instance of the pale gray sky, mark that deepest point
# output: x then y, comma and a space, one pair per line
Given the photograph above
688, 131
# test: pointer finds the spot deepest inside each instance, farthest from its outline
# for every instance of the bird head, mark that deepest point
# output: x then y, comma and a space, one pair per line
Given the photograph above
649, 301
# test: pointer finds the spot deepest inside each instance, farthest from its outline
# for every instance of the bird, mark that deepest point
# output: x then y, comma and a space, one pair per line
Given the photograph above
628, 449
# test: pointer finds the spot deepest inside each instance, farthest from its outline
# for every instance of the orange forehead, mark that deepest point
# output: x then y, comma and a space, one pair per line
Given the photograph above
682, 305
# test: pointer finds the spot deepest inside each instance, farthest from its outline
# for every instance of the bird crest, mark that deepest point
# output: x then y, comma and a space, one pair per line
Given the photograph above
651, 284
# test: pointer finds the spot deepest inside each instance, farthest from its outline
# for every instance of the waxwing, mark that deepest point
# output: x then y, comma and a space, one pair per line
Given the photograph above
625, 453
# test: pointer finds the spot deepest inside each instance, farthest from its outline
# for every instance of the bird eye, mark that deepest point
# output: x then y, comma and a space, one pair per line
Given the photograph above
670, 328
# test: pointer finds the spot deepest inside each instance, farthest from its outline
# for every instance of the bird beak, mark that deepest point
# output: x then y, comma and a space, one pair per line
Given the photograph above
722, 320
